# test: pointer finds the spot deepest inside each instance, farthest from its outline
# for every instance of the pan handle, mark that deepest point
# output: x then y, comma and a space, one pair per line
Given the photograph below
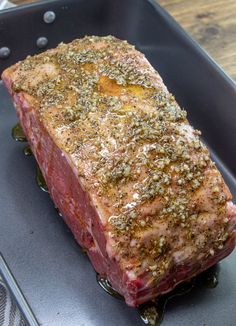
17, 293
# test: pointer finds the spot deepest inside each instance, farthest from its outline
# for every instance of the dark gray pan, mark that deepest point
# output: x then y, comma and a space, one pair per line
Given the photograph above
55, 276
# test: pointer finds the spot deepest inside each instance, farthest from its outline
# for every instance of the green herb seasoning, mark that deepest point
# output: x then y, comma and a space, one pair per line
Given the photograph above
131, 144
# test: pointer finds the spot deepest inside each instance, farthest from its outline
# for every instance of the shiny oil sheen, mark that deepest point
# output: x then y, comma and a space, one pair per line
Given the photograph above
152, 313
18, 135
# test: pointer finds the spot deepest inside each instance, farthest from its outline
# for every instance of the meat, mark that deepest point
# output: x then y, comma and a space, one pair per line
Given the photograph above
129, 174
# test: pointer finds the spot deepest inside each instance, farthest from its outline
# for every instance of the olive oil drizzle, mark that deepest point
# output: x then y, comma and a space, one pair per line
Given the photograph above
152, 312
18, 133
210, 278
27, 151
106, 286
40, 179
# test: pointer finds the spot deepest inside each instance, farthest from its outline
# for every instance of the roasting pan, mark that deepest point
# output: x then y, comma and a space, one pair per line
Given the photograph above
56, 278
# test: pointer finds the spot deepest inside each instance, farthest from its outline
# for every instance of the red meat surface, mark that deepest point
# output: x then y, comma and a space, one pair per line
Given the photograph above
128, 173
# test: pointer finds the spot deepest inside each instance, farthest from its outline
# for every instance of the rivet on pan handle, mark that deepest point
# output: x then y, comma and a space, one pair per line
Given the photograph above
4, 52
42, 42
49, 17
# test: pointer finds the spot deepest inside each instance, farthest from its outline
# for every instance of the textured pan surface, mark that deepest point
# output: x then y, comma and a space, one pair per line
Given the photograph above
55, 276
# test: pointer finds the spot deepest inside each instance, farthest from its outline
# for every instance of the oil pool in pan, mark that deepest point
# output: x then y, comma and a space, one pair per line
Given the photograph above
18, 135
151, 313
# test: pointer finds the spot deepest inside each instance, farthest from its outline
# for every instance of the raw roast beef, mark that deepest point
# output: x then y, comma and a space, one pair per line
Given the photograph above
130, 176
